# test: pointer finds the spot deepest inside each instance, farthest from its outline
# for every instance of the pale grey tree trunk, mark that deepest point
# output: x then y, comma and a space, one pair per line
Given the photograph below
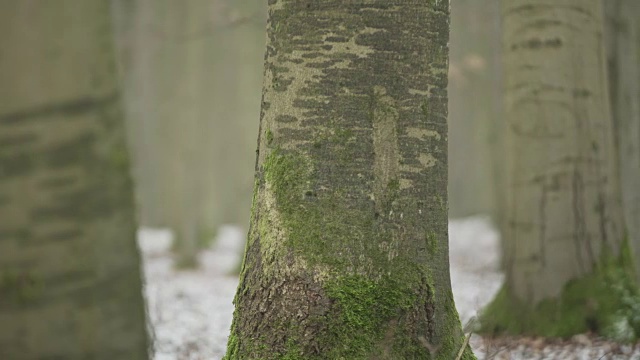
139, 40
474, 110
241, 65
564, 233
623, 40
347, 255
70, 283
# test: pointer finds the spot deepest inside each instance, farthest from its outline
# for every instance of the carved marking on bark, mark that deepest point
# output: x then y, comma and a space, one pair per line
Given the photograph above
385, 144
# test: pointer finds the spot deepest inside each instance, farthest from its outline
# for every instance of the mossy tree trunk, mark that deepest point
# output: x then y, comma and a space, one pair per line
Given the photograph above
70, 283
347, 256
564, 233
623, 45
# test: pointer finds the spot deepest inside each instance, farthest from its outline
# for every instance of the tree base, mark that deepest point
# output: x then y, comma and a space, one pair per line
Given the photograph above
605, 302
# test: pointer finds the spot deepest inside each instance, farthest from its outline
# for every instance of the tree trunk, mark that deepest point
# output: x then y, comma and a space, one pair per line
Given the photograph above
239, 84
138, 44
347, 256
564, 238
623, 40
473, 110
70, 285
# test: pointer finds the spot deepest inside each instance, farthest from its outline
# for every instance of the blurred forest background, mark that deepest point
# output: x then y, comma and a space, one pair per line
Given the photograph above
192, 79
192, 75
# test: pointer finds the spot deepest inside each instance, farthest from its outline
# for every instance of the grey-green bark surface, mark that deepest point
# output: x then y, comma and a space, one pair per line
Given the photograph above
623, 48
564, 231
70, 283
347, 255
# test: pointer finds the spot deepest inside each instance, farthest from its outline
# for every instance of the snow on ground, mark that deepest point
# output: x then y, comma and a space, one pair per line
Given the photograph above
191, 311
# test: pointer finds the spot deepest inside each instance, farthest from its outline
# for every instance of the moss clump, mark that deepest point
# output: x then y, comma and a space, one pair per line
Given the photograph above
432, 242
232, 347
451, 344
269, 137
364, 307
309, 220
605, 301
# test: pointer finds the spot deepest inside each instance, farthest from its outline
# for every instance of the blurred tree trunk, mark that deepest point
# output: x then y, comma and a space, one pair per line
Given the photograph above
565, 233
138, 42
239, 84
623, 40
70, 285
347, 255
193, 70
474, 108
188, 122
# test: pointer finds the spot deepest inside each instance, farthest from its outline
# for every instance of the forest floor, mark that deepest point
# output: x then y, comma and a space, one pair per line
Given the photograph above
191, 311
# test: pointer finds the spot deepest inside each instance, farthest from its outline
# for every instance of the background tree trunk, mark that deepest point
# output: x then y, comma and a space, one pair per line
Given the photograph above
193, 70
623, 40
474, 108
347, 254
563, 202
70, 285
238, 97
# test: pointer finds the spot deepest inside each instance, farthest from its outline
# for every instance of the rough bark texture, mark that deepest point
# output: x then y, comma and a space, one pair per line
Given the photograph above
564, 223
70, 285
347, 256
623, 45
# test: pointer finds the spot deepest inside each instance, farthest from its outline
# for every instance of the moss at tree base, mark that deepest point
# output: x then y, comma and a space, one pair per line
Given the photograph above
605, 302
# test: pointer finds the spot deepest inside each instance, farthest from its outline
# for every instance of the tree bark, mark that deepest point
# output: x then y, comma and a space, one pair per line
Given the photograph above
347, 256
623, 49
70, 284
564, 233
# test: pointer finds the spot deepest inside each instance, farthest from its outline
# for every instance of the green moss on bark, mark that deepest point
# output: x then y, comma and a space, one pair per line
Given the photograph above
367, 311
606, 301
365, 308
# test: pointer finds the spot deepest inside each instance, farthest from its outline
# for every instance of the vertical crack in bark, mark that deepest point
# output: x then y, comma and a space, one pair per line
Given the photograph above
543, 225
579, 225
602, 217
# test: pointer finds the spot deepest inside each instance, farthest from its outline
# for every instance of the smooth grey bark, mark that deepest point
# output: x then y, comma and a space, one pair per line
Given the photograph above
475, 108
563, 200
347, 256
623, 49
192, 74
70, 283
138, 43
566, 260
240, 68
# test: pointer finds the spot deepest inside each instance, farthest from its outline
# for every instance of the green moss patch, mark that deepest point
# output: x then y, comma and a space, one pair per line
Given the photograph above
364, 308
310, 218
